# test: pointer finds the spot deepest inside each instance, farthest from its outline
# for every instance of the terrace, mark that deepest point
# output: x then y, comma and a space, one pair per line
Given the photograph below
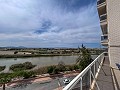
97, 76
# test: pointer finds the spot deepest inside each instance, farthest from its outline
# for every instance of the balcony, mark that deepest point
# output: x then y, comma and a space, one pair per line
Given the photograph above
104, 29
101, 3
96, 76
104, 40
103, 19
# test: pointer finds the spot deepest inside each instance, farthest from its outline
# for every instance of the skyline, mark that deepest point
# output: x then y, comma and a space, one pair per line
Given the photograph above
49, 23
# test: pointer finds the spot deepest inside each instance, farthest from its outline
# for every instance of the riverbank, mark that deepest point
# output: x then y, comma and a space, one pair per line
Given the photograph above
33, 55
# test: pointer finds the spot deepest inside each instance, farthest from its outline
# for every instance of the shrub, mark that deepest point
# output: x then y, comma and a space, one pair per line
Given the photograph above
61, 66
15, 52
50, 69
55, 71
41, 70
2, 68
24, 66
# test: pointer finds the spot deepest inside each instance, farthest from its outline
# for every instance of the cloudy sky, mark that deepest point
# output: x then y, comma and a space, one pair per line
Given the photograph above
49, 23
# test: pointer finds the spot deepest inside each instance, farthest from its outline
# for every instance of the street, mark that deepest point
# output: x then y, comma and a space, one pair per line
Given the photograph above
52, 84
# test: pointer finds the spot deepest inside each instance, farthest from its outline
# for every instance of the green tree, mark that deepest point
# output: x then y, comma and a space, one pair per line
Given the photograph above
84, 58
5, 78
50, 69
61, 66
15, 52
56, 71
2, 68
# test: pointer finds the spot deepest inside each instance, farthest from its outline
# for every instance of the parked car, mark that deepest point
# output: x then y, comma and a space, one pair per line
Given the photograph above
66, 81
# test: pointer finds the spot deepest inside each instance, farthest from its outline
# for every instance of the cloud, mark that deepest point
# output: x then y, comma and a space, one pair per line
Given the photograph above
48, 23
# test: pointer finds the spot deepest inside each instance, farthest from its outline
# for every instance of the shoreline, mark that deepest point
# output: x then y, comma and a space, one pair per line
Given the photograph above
36, 55
33, 55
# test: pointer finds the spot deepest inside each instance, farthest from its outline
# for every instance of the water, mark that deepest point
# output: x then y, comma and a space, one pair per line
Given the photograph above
39, 61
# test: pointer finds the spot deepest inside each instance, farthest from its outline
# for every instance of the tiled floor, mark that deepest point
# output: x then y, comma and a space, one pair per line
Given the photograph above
104, 79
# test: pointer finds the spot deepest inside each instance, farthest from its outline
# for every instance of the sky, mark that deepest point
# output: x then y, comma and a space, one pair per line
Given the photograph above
49, 23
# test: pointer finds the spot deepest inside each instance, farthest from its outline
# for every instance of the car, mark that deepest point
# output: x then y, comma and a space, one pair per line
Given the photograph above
66, 81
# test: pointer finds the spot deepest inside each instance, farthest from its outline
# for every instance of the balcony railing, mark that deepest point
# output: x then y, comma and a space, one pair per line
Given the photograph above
103, 17
87, 78
104, 37
100, 1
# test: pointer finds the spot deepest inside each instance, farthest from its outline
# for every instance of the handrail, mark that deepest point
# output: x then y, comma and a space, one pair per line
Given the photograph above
79, 77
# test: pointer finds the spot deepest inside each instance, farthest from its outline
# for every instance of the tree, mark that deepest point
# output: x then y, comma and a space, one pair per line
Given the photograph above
50, 69
2, 68
5, 78
15, 52
61, 66
84, 59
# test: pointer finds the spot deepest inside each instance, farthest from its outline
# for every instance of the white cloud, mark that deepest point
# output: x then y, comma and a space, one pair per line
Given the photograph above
19, 19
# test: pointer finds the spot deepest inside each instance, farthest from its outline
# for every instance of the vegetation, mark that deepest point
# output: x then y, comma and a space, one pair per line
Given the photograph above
41, 70
2, 68
24, 66
24, 74
56, 69
50, 69
15, 52
61, 66
84, 59
5, 78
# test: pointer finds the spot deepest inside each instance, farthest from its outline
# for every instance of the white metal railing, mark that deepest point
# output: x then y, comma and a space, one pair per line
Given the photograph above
90, 74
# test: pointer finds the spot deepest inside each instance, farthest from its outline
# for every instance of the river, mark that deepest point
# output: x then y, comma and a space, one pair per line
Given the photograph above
39, 61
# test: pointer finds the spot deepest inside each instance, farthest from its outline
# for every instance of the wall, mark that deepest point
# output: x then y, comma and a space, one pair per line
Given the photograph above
113, 17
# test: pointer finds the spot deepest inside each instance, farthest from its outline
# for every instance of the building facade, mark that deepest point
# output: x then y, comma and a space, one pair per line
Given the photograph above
109, 13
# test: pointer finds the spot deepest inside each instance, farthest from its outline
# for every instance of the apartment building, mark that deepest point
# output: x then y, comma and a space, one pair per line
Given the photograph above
109, 14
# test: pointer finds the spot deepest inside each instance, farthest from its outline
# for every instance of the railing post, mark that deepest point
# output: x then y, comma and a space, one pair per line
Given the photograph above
90, 77
94, 69
80, 83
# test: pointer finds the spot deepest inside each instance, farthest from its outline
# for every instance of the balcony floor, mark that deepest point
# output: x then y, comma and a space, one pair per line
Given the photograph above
104, 80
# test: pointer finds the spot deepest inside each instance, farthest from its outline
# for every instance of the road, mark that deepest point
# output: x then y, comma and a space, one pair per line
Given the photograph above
52, 84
